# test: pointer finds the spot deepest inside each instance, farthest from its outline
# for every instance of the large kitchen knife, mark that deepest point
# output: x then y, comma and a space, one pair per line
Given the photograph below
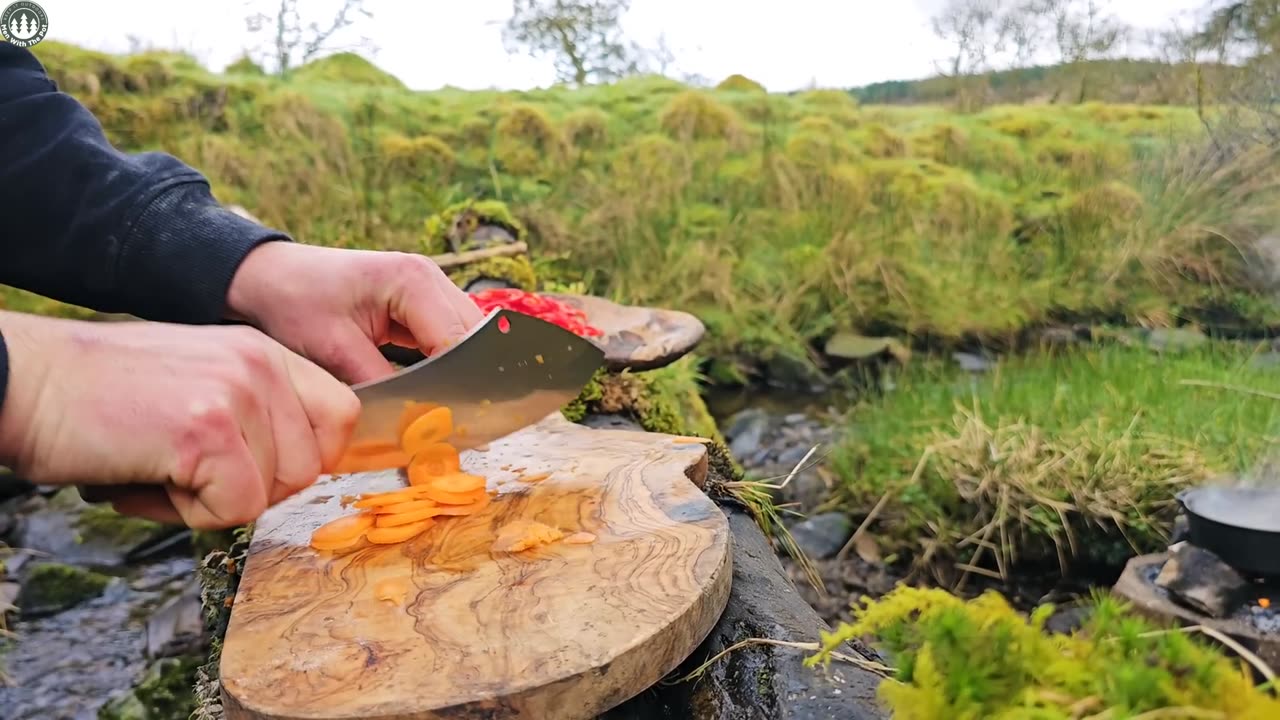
509, 372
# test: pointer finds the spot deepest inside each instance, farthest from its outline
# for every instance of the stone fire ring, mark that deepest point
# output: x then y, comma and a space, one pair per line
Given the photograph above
1147, 599
637, 338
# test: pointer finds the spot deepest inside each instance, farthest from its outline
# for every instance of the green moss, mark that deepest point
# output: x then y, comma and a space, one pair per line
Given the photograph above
516, 270
346, 69
666, 400
462, 219
526, 142
425, 157
244, 65
99, 523
50, 586
983, 659
164, 693
220, 574
878, 141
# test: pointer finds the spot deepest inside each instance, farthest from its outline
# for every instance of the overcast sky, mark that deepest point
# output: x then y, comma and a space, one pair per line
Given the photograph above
431, 43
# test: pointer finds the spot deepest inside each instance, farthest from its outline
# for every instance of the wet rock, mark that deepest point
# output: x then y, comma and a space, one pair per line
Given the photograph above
793, 455
1200, 579
610, 422
786, 371
48, 588
164, 693
746, 431
74, 531
970, 362
1058, 337
68, 665
1175, 339
822, 536
177, 628
1065, 621
852, 346
795, 418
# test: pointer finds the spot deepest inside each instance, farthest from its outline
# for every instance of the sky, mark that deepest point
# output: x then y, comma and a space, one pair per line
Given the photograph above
430, 44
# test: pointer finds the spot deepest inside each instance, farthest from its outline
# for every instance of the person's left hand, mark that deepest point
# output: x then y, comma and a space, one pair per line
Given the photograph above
336, 306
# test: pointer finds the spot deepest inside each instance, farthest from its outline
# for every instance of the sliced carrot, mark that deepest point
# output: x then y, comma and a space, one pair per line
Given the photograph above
437, 459
451, 498
343, 528
524, 534
407, 518
469, 509
368, 463
337, 544
402, 507
392, 535
412, 411
391, 497
536, 477
458, 482
432, 426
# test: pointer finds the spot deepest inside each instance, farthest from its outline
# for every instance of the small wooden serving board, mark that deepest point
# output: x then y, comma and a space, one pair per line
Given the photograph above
441, 626
638, 338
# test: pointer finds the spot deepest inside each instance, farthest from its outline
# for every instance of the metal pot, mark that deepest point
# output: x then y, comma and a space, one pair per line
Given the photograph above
1240, 524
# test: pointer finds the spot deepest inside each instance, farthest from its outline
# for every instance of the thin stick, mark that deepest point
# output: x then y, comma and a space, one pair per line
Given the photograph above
1233, 388
451, 260
875, 667
866, 522
1258, 664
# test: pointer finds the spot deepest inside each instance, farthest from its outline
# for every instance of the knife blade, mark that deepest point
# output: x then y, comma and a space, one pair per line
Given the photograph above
509, 372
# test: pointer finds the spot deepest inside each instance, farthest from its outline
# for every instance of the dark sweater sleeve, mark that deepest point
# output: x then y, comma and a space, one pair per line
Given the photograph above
87, 224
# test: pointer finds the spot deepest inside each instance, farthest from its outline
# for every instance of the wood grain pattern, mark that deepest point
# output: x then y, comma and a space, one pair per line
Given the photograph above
560, 631
638, 338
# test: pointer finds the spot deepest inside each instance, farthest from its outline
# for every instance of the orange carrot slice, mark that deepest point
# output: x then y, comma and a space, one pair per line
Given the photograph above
524, 534
407, 518
437, 459
343, 528
432, 426
458, 482
450, 498
402, 507
390, 497
337, 544
369, 462
412, 411
469, 509
392, 535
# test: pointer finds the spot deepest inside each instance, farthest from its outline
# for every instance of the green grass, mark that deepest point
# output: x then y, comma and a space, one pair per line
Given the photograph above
778, 219
1075, 456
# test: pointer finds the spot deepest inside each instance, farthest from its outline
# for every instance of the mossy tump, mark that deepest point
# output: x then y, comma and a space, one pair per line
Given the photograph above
52, 587
526, 142
740, 83
587, 128
694, 115
516, 270
346, 69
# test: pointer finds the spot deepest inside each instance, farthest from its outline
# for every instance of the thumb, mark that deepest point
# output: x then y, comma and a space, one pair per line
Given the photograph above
353, 358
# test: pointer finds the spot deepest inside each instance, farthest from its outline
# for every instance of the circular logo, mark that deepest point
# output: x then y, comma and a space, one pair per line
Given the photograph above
23, 23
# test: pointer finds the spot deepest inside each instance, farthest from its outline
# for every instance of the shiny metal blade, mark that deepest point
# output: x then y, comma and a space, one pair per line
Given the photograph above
509, 372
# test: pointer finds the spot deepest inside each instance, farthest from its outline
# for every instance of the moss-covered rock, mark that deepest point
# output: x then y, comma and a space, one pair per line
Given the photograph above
516, 270
666, 400
50, 587
165, 692
453, 228
101, 524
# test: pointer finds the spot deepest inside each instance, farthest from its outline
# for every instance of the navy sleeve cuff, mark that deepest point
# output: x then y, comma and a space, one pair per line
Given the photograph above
181, 253
4, 370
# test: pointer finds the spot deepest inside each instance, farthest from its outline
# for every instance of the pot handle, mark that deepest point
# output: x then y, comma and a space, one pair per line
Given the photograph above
1181, 497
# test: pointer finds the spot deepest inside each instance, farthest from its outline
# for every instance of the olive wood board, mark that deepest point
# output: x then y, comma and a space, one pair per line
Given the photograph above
441, 626
636, 337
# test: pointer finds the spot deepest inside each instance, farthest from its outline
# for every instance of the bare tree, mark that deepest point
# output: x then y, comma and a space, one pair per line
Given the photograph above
976, 30
1236, 93
1083, 32
582, 37
294, 42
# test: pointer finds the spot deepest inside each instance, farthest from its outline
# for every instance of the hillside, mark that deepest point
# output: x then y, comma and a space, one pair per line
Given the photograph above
1113, 81
778, 219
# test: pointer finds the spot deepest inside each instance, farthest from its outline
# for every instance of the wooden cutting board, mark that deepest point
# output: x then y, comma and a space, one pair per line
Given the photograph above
559, 631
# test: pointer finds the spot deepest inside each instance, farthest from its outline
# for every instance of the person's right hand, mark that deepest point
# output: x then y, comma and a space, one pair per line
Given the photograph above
202, 425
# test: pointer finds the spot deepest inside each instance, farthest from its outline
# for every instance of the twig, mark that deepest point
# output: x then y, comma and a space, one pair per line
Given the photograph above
1258, 664
866, 522
875, 667
451, 260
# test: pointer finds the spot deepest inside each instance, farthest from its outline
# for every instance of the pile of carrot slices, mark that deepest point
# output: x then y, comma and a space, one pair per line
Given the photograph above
437, 486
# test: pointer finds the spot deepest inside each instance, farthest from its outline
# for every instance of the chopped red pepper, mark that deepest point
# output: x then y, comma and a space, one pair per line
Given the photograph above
535, 305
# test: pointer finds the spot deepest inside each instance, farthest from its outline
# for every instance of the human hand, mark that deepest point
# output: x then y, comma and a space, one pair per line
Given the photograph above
336, 306
207, 426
